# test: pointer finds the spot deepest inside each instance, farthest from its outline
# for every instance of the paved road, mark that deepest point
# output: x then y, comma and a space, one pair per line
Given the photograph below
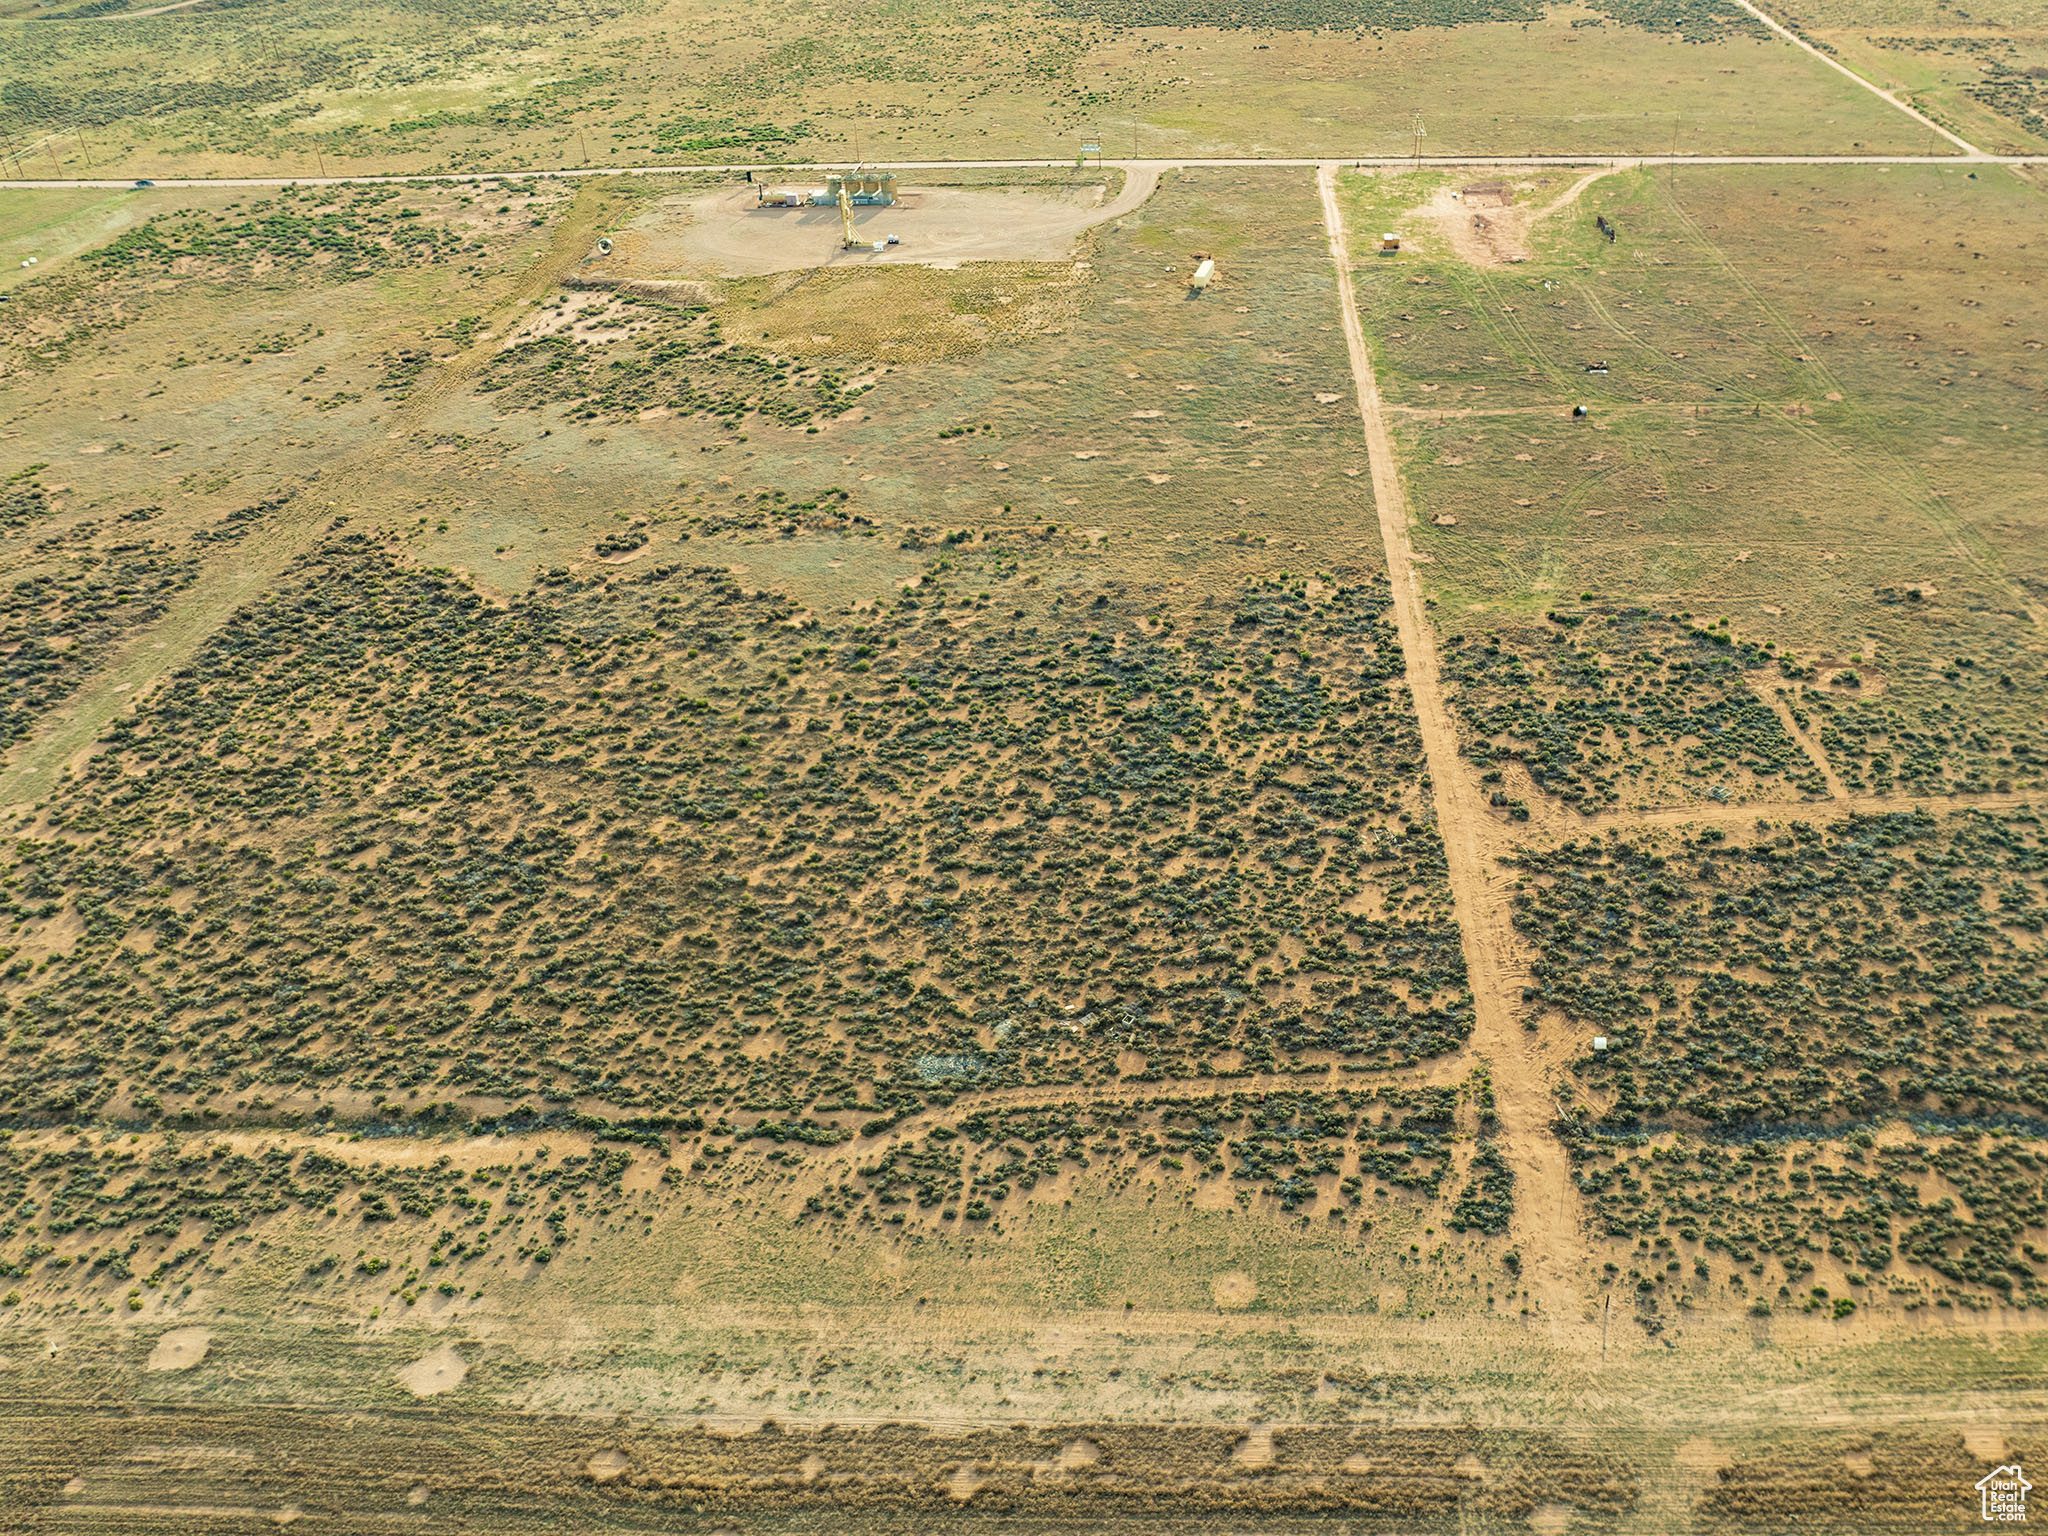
1154, 166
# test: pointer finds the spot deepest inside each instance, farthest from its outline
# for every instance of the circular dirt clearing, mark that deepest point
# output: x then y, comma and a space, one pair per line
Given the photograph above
431, 1375
1076, 1454
179, 1350
1234, 1288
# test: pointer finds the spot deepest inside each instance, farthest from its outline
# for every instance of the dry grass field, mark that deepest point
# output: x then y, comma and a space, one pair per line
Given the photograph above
1984, 75
674, 887
1801, 507
312, 87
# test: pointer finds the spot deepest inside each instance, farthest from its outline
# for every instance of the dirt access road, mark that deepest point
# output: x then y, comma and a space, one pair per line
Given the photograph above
1475, 837
1546, 1207
1871, 86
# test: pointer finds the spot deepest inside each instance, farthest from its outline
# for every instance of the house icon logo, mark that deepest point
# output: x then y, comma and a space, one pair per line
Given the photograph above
2004, 1491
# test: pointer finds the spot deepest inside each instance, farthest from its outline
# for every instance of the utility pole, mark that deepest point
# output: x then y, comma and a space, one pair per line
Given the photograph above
1416, 129
586, 145
84, 149
323, 161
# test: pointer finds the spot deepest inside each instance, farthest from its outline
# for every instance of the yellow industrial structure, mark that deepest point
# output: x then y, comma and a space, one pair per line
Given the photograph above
844, 190
864, 189
848, 239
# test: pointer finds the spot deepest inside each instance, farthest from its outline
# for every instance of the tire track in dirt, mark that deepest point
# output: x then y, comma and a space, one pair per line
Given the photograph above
474, 1148
1546, 1219
1506, 233
1806, 742
66, 736
1880, 458
1441, 1071
1556, 822
1739, 812
1571, 194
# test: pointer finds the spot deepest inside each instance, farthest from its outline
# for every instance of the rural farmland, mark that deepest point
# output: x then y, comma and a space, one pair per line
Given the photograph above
1102, 766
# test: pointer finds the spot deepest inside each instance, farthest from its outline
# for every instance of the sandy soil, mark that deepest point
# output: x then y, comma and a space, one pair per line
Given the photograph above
429, 1376
180, 1349
1489, 223
1482, 232
938, 226
1234, 1289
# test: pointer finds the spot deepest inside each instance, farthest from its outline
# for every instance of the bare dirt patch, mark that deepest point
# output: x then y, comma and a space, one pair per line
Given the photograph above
937, 226
963, 1484
1491, 223
1076, 1454
1255, 1450
586, 312
180, 1349
1485, 232
1234, 1288
429, 1376
1984, 1442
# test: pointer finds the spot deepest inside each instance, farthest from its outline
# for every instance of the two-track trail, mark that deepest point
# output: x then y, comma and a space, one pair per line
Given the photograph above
1847, 803
1444, 1071
1546, 1205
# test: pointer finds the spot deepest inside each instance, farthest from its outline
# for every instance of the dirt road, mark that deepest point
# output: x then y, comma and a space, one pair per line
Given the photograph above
1842, 69
1546, 1207
1439, 1072
1742, 813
